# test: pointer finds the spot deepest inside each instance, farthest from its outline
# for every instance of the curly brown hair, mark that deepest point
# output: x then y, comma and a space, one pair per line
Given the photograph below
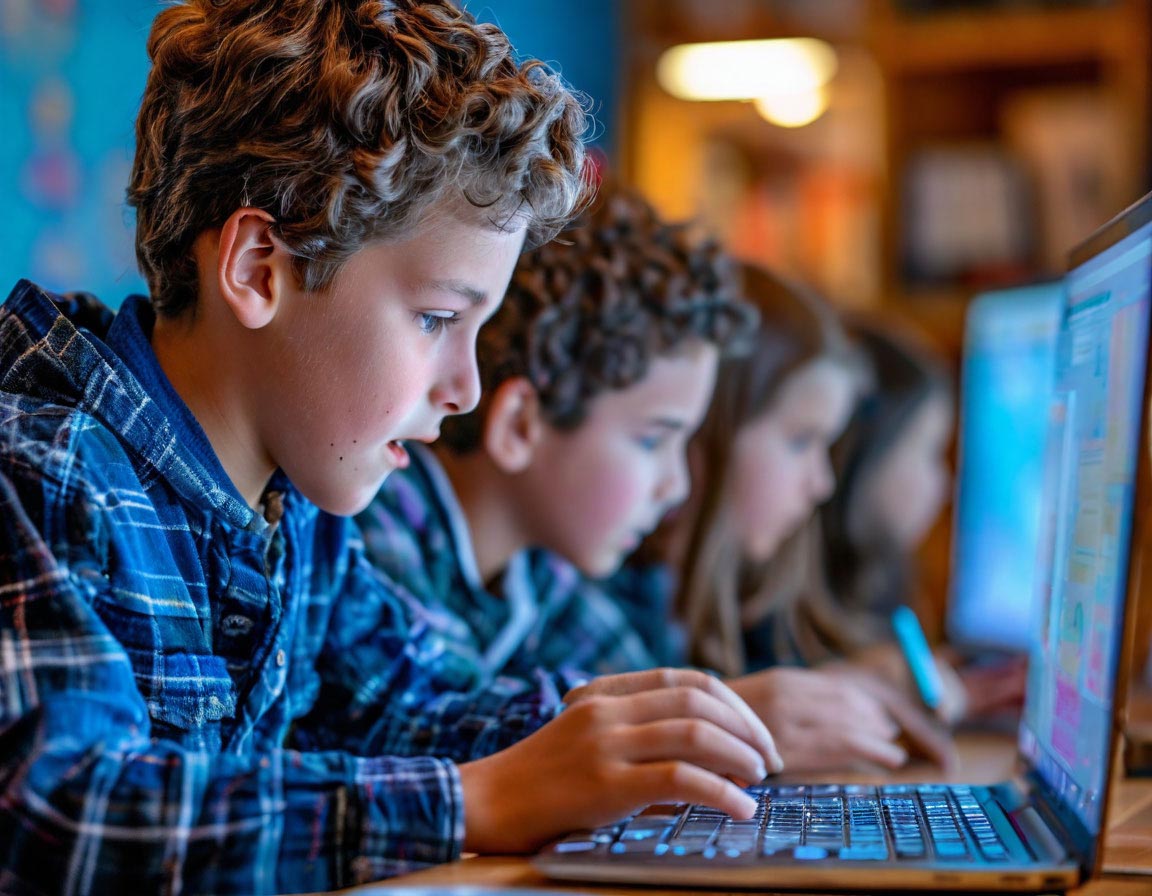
589, 311
346, 121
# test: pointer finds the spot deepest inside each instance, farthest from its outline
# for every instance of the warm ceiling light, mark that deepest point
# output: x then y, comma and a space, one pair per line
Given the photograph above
793, 110
745, 69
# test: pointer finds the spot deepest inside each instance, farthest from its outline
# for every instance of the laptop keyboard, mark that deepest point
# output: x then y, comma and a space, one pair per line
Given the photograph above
919, 823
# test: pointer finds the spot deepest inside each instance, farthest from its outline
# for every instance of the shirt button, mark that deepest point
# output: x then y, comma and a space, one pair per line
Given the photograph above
280, 658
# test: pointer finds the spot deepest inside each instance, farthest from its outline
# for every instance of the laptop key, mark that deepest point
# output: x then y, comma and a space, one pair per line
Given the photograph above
577, 846
910, 850
864, 853
687, 847
951, 850
633, 847
698, 829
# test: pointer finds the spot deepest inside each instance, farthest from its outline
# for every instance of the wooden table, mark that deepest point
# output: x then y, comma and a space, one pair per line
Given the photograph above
985, 758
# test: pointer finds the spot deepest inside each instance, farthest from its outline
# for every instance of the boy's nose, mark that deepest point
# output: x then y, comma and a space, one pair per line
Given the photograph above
675, 483
823, 481
460, 392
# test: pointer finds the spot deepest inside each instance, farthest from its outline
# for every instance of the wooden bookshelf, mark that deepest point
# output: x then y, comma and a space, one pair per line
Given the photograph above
940, 79
949, 77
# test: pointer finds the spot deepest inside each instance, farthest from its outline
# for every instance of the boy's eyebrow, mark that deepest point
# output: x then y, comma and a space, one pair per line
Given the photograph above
471, 293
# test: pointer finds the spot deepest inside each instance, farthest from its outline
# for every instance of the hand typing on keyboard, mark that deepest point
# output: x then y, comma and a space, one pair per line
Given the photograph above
856, 823
625, 741
822, 719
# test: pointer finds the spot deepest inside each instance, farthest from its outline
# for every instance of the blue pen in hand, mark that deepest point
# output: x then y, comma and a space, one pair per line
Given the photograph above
918, 655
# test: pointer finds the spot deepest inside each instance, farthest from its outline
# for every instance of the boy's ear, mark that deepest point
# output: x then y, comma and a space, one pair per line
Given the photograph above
252, 267
512, 426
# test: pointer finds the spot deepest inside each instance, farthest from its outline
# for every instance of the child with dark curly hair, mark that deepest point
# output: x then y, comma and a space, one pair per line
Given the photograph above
595, 372
330, 200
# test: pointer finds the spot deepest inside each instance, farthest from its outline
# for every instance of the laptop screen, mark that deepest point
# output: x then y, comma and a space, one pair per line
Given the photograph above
1093, 452
1005, 392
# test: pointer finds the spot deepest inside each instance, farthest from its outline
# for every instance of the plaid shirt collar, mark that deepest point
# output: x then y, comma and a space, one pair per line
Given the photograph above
516, 585
68, 350
443, 494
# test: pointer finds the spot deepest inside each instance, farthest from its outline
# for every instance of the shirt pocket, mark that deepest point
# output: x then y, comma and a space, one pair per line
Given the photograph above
195, 690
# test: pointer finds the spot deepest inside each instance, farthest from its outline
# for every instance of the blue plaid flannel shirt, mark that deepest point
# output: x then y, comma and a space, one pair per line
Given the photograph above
163, 648
547, 615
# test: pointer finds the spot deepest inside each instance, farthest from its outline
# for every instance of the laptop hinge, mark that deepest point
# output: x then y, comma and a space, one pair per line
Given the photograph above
1073, 838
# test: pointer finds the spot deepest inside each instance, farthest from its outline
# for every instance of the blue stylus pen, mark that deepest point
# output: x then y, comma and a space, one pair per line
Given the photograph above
918, 655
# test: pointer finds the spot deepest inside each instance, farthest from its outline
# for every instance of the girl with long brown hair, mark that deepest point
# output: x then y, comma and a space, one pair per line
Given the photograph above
760, 467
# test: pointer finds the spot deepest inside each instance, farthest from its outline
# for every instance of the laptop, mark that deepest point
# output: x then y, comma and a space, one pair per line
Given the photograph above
1006, 387
1042, 830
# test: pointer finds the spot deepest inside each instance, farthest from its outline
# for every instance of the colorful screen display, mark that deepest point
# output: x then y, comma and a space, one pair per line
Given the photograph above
1094, 438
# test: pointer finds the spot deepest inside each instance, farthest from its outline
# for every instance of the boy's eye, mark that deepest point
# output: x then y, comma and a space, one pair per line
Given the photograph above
801, 442
431, 322
650, 442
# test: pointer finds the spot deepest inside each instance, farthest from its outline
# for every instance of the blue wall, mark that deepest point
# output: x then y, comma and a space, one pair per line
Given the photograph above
71, 75
579, 38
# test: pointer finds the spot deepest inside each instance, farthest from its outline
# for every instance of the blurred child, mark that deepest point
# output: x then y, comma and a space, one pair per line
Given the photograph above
892, 480
761, 467
596, 371
891, 477
330, 201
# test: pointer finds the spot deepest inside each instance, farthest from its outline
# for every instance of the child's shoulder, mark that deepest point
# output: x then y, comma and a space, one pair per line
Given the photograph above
63, 408
46, 440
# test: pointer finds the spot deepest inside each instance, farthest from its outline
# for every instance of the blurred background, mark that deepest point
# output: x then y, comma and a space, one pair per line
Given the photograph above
905, 153
901, 155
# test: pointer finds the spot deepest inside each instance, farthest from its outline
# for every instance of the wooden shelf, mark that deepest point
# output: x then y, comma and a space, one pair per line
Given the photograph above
949, 76
826, 201
955, 42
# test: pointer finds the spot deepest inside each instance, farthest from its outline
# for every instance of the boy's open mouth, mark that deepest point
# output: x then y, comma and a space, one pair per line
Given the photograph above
399, 454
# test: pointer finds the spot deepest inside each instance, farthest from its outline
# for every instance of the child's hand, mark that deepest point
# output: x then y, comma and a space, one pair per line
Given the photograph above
887, 662
655, 679
607, 756
922, 732
996, 687
825, 720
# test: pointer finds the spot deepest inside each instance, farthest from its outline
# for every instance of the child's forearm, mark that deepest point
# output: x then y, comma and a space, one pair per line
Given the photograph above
131, 814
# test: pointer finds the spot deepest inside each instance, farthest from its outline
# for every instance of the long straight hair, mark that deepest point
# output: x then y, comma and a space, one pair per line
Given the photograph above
867, 571
838, 580
797, 328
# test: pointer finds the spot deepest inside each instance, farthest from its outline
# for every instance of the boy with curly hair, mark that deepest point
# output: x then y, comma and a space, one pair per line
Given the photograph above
330, 200
596, 370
